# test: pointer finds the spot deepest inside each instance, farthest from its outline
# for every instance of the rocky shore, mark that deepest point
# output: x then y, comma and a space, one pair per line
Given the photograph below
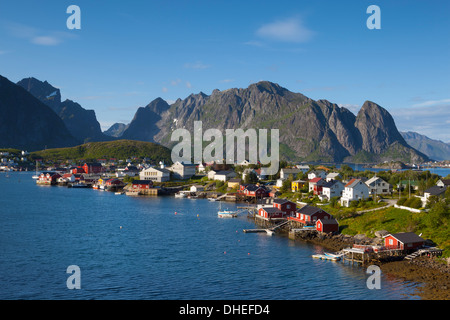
433, 274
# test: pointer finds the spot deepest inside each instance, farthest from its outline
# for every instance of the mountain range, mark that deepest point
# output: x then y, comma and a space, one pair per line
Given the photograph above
435, 149
309, 130
81, 123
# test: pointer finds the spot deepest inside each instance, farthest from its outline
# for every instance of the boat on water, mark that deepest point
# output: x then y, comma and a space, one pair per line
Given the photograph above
226, 213
328, 256
180, 194
36, 175
78, 185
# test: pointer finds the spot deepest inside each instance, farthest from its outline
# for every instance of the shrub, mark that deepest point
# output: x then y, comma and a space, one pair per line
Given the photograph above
401, 201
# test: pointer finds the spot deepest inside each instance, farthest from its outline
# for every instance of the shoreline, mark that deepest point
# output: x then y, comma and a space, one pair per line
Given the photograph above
431, 274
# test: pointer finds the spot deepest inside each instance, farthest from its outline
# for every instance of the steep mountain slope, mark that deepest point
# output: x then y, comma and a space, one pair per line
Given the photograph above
27, 123
143, 126
81, 123
309, 130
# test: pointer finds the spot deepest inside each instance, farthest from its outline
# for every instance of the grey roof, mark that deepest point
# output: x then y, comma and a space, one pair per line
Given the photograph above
308, 210
406, 237
329, 221
281, 201
435, 190
253, 187
331, 183
352, 183
271, 209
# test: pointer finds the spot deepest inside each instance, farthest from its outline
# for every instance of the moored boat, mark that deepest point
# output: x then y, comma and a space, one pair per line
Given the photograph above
226, 213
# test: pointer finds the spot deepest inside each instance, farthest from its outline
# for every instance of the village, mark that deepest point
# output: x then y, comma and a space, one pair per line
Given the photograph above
293, 202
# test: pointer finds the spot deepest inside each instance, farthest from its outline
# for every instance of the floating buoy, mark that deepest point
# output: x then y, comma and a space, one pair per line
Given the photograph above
224, 252
120, 227
175, 212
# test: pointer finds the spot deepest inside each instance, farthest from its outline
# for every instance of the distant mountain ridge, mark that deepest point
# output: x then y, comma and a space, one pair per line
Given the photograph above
435, 149
81, 123
309, 130
27, 123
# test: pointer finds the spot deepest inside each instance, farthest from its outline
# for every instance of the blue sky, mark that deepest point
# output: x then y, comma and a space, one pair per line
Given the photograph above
128, 53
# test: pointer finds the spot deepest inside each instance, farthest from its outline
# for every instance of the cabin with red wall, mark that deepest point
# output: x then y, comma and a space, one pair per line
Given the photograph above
288, 207
327, 225
92, 168
308, 215
252, 190
49, 178
403, 240
270, 213
142, 184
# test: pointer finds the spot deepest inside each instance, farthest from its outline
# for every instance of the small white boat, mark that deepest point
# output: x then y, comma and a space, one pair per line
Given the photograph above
226, 213
328, 256
79, 185
180, 194
332, 255
36, 175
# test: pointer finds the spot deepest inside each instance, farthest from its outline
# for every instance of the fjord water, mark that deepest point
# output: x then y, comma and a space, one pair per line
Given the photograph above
156, 248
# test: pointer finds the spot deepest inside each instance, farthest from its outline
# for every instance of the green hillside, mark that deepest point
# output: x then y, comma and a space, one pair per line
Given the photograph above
121, 149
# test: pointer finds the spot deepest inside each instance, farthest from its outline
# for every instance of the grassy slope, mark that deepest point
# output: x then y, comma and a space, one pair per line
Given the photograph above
120, 149
398, 220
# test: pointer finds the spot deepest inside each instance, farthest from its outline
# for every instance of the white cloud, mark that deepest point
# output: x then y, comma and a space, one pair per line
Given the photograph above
430, 118
46, 40
288, 30
164, 89
37, 36
188, 85
432, 103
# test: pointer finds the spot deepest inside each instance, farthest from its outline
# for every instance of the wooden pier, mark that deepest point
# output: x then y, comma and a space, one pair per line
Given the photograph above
269, 231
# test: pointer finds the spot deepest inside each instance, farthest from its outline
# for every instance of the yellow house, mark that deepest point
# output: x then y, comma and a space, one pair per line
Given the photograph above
234, 183
297, 185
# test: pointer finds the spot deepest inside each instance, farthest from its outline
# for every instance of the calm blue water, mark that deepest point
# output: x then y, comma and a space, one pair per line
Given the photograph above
157, 254
443, 172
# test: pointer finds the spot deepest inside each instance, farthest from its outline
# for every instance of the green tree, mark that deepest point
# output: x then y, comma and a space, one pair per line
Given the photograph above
251, 178
286, 186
